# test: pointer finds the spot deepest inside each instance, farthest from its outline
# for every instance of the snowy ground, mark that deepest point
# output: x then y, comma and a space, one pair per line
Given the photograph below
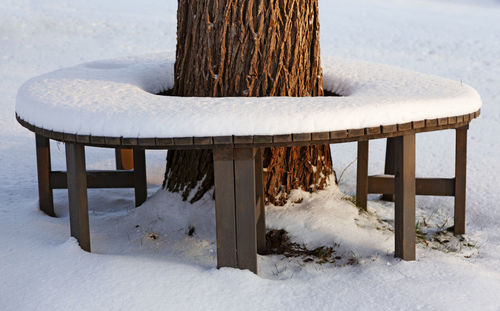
143, 259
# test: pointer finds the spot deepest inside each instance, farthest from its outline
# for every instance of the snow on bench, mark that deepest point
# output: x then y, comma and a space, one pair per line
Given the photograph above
116, 98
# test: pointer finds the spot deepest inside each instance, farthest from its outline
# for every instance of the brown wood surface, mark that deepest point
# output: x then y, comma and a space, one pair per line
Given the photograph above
140, 181
225, 213
404, 184
389, 168
124, 158
187, 143
96, 179
244, 188
77, 194
362, 174
424, 186
43, 165
460, 179
260, 206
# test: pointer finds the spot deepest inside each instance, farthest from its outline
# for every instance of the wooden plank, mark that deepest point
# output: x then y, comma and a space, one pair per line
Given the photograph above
97, 140
404, 184
460, 119
389, 169
248, 139
282, 138
339, 134
68, 137
124, 159
356, 132
83, 139
260, 206
301, 137
418, 124
442, 121
146, 141
389, 128
43, 165
140, 181
452, 120
225, 217
320, 136
244, 189
183, 141
431, 123
362, 174
424, 186
223, 140
263, 139
203, 140
373, 130
113, 141
96, 179
59, 136
129, 141
460, 179
466, 118
77, 194
404, 126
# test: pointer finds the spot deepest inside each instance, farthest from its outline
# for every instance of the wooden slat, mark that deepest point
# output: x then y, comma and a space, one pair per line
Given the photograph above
183, 141
282, 138
96, 179
68, 137
442, 121
59, 136
424, 186
339, 134
404, 126
389, 128
362, 175
404, 197
203, 140
320, 136
460, 179
140, 181
263, 139
43, 165
244, 188
164, 141
373, 130
225, 207
460, 119
389, 168
260, 208
431, 122
97, 140
223, 140
356, 132
452, 120
146, 141
129, 141
301, 137
77, 194
113, 141
466, 118
248, 139
418, 124
83, 139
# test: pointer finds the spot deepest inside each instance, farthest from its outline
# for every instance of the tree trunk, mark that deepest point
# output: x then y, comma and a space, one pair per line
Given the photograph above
249, 48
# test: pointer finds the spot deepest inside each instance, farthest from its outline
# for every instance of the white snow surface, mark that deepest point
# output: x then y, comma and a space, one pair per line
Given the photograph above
42, 268
117, 98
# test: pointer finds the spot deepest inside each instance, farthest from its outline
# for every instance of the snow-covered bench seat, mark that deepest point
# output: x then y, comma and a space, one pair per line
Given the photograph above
113, 104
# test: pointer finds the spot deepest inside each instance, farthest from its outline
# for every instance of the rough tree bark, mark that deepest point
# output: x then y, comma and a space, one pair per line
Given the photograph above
249, 48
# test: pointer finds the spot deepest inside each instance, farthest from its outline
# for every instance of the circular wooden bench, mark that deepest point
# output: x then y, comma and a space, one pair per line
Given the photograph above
112, 104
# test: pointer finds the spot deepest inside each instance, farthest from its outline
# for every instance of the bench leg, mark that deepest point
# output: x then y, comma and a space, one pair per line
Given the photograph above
460, 179
235, 208
140, 181
362, 175
404, 184
260, 204
389, 165
124, 159
45, 197
77, 194
225, 215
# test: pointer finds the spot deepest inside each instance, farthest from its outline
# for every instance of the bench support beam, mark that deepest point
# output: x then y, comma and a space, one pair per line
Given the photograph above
404, 195
43, 165
140, 182
362, 174
77, 194
260, 204
460, 179
236, 207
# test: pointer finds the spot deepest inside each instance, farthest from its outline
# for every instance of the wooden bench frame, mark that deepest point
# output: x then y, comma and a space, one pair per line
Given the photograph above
240, 216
